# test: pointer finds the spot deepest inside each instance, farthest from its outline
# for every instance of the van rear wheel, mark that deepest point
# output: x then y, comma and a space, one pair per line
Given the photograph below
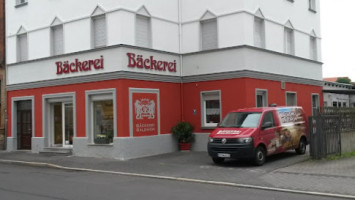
217, 160
260, 156
301, 147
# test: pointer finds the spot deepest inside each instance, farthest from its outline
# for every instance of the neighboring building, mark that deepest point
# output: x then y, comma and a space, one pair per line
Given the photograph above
338, 94
111, 78
2, 75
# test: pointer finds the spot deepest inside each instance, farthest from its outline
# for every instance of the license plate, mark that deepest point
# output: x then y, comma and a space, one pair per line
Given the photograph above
224, 155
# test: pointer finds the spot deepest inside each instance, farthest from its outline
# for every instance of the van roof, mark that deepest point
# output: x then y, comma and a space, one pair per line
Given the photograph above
263, 109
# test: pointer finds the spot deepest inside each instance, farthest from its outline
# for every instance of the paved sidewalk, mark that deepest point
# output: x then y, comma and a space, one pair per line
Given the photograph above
286, 171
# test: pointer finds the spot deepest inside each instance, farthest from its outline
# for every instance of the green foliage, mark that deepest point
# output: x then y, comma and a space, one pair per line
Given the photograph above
344, 80
345, 155
183, 132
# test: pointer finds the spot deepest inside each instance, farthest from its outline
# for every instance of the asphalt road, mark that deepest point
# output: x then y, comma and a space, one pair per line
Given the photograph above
37, 183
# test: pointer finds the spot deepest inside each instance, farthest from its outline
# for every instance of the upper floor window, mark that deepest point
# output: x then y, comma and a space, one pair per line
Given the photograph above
22, 47
99, 31
289, 41
209, 31
57, 40
312, 5
259, 32
313, 49
143, 31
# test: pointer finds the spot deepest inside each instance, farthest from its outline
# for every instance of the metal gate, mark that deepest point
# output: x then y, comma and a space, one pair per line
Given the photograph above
325, 136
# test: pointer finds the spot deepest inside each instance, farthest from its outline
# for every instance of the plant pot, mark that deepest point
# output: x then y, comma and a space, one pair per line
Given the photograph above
185, 146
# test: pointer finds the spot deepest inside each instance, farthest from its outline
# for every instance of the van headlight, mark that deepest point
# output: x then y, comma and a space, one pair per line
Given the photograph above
210, 140
247, 140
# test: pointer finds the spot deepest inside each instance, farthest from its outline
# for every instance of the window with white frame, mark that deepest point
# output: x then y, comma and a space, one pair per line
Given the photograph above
99, 31
22, 48
259, 32
291, 99
209, 38
312, 5
101, 119
57, 40
210, 108
313, 48
289, 41
143, 31
261, 98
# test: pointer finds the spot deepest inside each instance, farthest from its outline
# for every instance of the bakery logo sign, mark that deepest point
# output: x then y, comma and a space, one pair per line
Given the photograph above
145, 108
150, 63
67, 67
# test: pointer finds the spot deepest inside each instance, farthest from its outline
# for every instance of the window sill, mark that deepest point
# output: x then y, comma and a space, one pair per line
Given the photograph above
21, 4
208, 127
104, 145
312, 10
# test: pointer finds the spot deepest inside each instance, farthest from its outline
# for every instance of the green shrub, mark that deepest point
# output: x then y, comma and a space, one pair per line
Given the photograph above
183, 132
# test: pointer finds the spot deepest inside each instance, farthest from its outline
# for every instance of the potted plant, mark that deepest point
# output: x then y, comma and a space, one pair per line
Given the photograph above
183, 132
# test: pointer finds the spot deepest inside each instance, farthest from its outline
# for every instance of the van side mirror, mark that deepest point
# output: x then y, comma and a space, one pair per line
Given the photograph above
266, 125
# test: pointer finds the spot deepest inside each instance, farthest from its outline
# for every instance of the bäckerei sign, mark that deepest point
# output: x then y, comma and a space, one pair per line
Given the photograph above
66, 67
138, 61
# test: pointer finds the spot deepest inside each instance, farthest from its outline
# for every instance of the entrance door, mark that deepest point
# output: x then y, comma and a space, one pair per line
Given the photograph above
63, 124
24, 124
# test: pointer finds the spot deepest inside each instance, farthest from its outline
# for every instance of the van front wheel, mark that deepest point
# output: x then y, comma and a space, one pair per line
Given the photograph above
260, 156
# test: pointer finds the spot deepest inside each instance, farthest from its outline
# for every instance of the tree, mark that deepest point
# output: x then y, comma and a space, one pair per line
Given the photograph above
344, 80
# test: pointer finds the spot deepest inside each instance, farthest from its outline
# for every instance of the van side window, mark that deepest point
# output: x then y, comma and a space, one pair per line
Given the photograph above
269, 117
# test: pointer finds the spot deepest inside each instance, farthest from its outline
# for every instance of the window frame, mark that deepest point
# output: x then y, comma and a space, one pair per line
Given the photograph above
201, 33
52, 28
262, 36
318, 102
290, 50
313, 48
149, 31
265, 97
93, 35
20, 57
18, 3
286, 97
99, 95
203, 99
312, 6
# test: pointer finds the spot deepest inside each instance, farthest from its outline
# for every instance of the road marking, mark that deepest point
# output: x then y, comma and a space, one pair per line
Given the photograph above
40, 164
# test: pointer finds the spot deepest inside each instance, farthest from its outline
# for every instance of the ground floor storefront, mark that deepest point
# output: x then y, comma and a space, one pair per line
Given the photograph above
126, 119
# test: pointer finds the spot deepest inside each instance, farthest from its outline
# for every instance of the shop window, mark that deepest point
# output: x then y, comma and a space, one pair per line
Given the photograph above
209, 38
313, 48
101, 122
143, 31
99, 30
291, 99
210, 108
315, 104
344, 104
261, 98
289, 41
22, 48
57, 39
259, 32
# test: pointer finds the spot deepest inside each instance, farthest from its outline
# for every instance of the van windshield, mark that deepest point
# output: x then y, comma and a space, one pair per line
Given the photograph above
241, 120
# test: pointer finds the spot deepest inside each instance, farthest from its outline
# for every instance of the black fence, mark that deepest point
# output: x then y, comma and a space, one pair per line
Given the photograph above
326, 128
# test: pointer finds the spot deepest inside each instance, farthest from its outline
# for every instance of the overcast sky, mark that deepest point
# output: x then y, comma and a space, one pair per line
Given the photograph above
338, 38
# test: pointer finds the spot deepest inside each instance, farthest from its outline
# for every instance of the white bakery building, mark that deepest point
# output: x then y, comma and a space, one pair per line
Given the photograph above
111, 78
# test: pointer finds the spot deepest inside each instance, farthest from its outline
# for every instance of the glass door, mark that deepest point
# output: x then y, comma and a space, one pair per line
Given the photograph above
63, 124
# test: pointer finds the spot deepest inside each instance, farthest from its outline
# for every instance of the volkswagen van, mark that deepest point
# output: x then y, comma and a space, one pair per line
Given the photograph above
256, 133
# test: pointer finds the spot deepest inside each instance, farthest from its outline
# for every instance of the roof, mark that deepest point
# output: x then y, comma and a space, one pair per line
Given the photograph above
333, 79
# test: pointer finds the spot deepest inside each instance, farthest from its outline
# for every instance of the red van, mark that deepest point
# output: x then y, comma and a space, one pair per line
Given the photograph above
259, 132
